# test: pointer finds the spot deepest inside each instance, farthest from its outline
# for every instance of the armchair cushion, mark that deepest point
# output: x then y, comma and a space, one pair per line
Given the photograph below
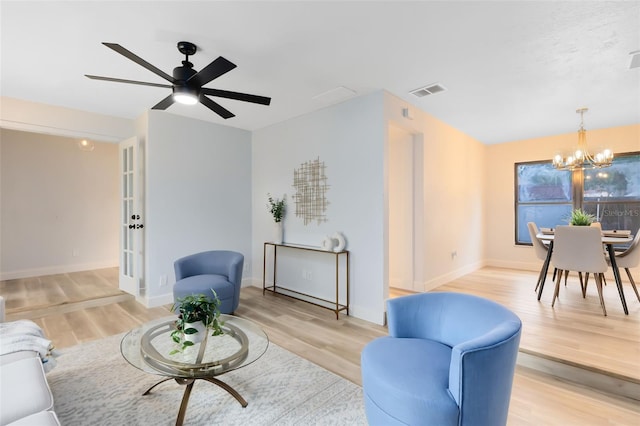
424, 380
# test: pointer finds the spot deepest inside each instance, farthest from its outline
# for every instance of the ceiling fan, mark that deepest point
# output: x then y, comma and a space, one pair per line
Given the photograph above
186, 83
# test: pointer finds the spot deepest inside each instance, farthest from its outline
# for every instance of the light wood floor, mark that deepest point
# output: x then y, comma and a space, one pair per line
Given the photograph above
574, 328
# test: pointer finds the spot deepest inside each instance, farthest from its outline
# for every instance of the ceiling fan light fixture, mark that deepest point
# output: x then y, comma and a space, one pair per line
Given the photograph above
185, 95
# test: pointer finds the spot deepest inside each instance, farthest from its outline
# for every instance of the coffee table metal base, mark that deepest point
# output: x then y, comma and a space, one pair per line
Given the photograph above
187, 393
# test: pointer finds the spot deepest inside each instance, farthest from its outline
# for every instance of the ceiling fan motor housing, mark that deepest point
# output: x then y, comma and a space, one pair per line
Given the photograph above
184, 73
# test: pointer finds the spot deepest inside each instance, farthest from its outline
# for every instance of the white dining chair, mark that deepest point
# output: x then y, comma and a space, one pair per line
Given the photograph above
630, 258
541, 250
579, 248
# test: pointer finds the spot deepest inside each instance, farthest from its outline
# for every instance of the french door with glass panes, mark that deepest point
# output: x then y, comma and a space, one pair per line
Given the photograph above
131, 218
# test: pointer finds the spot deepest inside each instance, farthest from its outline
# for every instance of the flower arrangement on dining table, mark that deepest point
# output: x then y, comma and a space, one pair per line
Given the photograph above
579, 217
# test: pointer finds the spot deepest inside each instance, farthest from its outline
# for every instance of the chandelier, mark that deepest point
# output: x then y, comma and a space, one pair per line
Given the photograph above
581, 158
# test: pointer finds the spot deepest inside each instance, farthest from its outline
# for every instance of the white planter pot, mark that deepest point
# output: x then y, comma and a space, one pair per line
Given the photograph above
278, 231
196, 337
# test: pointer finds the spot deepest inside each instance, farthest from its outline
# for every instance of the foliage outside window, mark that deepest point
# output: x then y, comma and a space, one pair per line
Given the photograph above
546, 196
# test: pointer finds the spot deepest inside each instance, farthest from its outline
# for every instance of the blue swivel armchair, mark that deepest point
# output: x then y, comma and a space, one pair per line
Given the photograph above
219, 270
449, 359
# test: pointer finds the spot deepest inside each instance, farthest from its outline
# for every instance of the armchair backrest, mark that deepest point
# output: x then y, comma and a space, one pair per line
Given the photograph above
484, 337
219, 262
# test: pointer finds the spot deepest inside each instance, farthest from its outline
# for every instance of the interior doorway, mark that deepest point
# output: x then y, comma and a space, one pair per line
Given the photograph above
405, 210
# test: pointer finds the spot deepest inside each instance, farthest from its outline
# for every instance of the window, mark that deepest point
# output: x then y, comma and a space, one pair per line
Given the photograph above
546, 196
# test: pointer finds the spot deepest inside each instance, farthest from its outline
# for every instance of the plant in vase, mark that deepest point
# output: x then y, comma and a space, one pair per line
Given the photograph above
579, 217
195, 311
277, 208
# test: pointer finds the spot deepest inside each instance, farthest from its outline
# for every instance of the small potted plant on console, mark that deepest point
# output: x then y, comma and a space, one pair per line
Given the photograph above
197, 313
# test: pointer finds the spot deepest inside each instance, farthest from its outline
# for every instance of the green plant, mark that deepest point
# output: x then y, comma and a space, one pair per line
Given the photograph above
581, 218
194, 308
277, 207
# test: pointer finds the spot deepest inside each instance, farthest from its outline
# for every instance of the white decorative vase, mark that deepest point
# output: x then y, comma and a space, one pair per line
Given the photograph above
196, 337
340, 242
278, 231
327, 243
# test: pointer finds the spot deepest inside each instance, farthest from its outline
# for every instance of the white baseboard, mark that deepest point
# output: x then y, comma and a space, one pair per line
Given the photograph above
450, 276
58, 269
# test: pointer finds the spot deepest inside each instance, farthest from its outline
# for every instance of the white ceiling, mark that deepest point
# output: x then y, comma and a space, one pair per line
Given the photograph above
513, 69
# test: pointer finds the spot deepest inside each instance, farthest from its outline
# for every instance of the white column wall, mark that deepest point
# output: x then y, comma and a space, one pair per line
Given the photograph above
348, 138
198, 195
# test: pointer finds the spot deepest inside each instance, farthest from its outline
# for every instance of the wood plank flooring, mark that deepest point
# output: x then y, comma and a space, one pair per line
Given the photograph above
575, 328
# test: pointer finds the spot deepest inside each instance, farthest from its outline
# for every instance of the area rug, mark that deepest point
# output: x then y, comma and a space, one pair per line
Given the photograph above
93, 385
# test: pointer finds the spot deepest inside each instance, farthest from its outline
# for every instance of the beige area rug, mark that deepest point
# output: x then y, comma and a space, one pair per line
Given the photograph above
93, 385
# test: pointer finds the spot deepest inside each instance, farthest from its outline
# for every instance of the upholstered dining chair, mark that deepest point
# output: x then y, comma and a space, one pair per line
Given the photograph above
220, 270
630, 258
449, 359
579, 248
541, 251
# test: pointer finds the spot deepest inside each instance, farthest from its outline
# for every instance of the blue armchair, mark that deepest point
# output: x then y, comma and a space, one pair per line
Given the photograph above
219, 270
449, 359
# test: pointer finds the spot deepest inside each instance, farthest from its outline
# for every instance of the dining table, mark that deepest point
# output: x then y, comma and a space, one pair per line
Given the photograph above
607, 240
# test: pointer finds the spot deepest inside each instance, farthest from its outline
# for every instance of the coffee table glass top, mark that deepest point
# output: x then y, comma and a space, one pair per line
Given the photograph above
148, 348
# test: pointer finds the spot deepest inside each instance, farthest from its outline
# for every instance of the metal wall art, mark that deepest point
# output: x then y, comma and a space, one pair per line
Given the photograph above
310, 183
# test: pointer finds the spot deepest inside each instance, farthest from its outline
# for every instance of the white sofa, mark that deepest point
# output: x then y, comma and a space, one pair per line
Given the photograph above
25, 396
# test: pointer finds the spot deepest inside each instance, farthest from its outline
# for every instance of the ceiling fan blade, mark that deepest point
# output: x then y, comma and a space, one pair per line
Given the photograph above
212, 71
138, 60
215, 107
165, 103
119, 80
262, 100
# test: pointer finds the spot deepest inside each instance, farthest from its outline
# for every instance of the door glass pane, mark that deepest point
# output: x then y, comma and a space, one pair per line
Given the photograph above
130, 264
130, 185
130, 158
125, 186
125, 160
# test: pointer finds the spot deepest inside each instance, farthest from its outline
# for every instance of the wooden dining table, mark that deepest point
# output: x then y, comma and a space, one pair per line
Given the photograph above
608, 241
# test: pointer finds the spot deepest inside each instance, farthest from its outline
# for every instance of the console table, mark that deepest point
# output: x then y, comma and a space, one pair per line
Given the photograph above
333, 305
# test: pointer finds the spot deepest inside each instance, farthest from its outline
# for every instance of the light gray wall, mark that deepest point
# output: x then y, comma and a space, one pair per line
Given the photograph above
59, 205
349, 139
198, 194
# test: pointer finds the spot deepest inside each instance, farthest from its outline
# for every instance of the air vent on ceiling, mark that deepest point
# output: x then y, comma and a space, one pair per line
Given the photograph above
431, 89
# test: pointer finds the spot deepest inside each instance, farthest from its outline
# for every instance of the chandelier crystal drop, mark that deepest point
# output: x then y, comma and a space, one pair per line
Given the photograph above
581, 158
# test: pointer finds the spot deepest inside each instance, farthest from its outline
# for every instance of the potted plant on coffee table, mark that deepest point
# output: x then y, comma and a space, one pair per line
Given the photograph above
197, 313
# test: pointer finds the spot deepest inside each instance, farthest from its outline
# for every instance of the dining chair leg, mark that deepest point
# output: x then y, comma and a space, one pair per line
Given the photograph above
586, 283
599, 287
557, 290
583, 287
566, 275
541, 278
633, 283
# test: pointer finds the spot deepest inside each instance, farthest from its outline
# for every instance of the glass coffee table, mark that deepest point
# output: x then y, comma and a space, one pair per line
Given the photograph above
148, 348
